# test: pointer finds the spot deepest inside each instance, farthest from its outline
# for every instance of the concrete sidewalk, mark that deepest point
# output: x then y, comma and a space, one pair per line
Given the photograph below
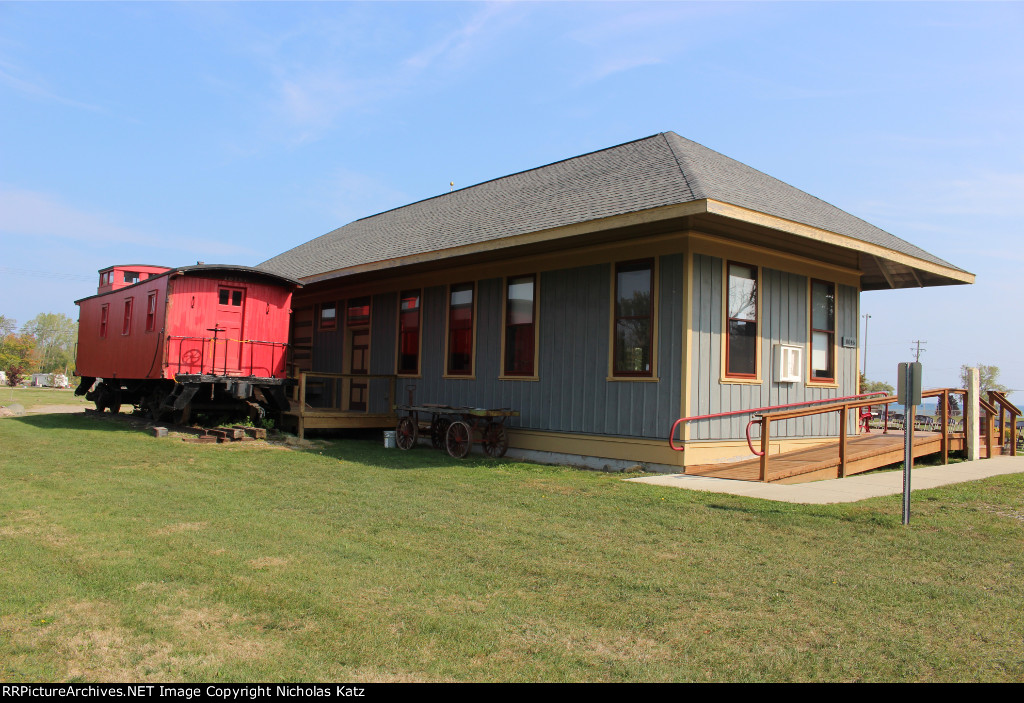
846, 490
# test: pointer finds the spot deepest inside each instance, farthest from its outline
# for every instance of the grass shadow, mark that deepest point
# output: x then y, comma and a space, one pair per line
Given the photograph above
81, 421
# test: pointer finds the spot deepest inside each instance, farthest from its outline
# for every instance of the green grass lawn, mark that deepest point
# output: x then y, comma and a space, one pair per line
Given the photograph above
127, 557
35, 397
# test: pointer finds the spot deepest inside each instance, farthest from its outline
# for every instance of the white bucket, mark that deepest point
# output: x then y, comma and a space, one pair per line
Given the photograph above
389, 439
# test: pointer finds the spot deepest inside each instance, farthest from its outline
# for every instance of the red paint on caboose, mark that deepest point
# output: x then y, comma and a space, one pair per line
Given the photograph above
228, 327
207, 319
117, 277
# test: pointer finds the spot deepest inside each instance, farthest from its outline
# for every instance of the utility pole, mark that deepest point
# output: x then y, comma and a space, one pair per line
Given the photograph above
917, 351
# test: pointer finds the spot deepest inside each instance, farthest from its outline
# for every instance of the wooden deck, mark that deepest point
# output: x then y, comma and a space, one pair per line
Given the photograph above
336, 419
863, 453
326, 401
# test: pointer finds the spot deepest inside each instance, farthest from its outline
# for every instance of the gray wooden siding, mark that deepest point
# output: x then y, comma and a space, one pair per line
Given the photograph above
573, 394
783, 320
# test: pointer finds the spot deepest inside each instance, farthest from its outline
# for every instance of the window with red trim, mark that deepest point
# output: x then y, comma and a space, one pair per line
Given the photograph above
741, 321
634, 318
460, 330
126, 324
328, 316
104, 317
409, 332
520, 327
823, 331
358, 312
151, 312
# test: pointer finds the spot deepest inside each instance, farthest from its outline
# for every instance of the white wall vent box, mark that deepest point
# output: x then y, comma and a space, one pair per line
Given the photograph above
788, 363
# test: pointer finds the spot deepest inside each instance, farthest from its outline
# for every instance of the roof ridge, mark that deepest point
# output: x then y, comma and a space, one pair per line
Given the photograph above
509, 175
703, 193
679, 162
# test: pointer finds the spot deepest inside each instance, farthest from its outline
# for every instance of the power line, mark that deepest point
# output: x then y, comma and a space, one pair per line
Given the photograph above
918, 350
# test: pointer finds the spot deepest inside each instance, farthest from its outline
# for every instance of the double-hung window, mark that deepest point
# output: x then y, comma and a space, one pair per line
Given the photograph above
741, 321
357, 314
328, 316
520, 326
823, 331
104, 317
634, 318
151, 312
409, 333
126, 323
460, 330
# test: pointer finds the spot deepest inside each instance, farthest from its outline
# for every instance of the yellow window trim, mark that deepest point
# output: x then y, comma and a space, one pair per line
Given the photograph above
655, 314
447, 337
834, 383
398, 338
502, 376
724, 378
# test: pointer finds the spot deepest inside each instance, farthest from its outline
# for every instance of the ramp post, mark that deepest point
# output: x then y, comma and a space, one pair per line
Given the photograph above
972, 409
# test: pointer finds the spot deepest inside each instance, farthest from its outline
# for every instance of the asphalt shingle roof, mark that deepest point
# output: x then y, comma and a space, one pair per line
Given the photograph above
664, 169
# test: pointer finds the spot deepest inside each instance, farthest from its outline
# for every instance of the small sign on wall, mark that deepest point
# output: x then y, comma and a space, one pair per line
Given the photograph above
850, 342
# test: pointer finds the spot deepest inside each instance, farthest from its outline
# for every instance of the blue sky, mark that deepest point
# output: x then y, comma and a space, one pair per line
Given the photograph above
170, 133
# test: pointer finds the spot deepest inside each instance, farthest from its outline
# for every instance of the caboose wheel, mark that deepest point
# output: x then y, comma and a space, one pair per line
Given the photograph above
406, 433
495, 440
114, 403
439, 432
459, 439
103, 398
152, 405
181, 417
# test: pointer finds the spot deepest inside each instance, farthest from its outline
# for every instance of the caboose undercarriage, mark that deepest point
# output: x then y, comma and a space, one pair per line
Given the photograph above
178, 400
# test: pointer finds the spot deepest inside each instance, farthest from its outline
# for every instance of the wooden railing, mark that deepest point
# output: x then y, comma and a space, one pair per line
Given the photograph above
997, 398
844, 408
335, 388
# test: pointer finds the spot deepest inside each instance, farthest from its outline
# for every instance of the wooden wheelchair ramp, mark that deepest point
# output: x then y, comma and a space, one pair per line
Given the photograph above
863, 453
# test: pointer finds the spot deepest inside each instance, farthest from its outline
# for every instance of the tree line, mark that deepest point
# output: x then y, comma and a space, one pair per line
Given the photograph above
44, 344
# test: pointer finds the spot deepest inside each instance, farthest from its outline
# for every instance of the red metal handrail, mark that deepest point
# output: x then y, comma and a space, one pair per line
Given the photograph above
681, 420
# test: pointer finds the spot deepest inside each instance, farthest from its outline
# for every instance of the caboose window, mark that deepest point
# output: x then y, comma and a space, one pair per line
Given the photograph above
151, 312
126, 325
229, 296
104, 316
131, 277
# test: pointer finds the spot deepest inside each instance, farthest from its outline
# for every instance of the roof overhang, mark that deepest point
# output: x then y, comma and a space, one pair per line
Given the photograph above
880, 267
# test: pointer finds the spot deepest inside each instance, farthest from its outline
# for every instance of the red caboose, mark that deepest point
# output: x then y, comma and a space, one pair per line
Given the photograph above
156, 337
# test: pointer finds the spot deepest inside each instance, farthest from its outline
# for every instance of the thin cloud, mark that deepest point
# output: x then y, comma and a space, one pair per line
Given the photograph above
37, 91
31, 215
314, 95
459, 42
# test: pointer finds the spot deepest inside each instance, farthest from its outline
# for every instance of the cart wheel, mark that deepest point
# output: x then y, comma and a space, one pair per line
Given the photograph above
406, 433
495, 440
458, 439
439, 432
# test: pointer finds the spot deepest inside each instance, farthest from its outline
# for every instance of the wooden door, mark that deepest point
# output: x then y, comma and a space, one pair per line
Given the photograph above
359, 353
230, 316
